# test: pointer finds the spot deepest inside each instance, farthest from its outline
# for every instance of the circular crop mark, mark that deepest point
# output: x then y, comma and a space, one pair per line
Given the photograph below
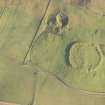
84, 55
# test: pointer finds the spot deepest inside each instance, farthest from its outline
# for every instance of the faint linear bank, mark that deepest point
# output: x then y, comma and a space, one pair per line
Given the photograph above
37, 30
6, 103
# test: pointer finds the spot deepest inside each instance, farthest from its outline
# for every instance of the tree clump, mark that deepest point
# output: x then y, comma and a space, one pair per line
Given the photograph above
57, 22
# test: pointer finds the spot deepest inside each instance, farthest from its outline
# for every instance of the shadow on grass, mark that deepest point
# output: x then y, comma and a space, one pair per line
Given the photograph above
67, 52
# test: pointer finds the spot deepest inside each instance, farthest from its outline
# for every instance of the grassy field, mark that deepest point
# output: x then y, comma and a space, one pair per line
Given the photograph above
50, 54
53, 92
17, 83
49, 50
17, 28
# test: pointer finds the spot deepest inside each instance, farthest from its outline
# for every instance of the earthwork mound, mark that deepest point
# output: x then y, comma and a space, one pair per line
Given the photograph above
102, 47
84, 55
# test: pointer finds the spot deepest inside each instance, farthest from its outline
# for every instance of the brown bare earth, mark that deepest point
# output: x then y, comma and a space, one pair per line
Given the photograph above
85, 2
79, 2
